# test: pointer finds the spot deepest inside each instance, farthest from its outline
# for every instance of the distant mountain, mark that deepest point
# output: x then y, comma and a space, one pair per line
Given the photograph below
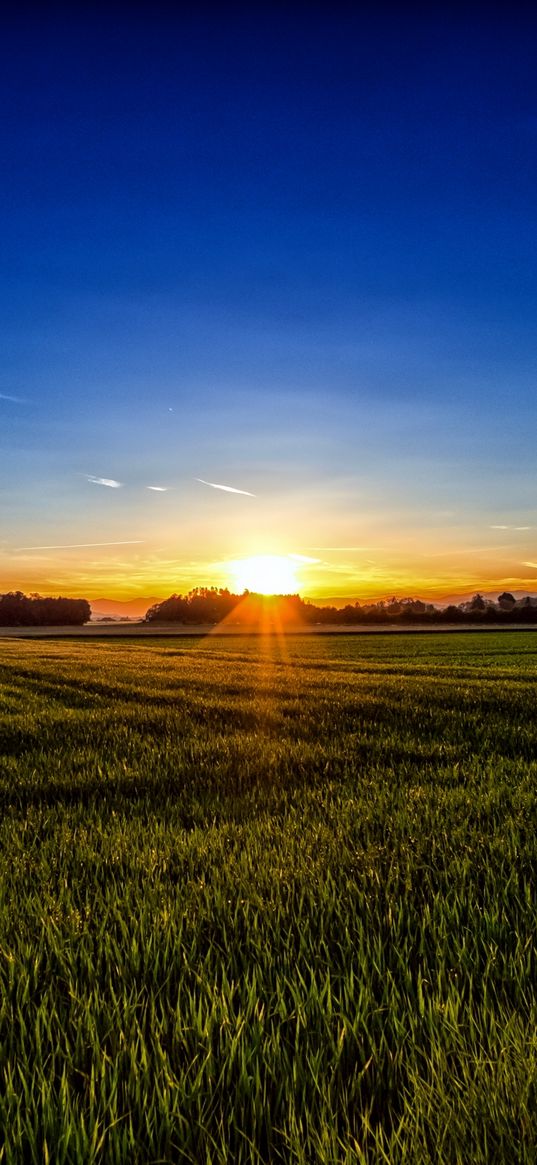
334, 600
113, 608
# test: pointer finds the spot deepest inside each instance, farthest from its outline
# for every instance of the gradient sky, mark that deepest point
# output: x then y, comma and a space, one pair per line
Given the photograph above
291, 251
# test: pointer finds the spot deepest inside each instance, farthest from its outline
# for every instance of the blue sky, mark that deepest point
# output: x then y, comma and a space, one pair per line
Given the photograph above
290, 252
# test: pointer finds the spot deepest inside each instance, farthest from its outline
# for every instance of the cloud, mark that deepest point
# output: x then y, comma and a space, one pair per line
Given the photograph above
230, 489
17, 400
109, 481
159, 489
468, 550
83, 545
304, 558
357, 549
532, 564
511, 527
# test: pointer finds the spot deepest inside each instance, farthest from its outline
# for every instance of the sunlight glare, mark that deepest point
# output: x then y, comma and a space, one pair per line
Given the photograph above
265, 574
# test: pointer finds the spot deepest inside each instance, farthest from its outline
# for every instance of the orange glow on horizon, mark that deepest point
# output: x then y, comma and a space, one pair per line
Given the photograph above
344, 574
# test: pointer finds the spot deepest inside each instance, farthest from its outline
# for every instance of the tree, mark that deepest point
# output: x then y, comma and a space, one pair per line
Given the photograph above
19, 610
506, 600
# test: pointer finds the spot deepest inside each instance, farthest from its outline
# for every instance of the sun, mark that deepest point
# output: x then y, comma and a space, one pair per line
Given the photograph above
265, 574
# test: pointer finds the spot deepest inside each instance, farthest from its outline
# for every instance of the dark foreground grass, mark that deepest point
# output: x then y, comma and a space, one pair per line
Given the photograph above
269, 904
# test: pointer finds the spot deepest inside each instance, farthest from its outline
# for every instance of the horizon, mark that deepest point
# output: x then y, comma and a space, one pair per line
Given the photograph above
269, 298
143, 604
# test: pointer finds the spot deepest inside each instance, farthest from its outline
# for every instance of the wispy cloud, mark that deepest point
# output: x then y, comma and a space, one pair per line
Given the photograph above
467, 550
16, 400
511, 527
230, 489
84, 545
358, 549
158, 489
109, 481
304, 558
532, 564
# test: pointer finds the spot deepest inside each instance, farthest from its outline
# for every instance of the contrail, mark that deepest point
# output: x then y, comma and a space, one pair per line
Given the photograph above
230, 489
159, 489
83, 545
17, 400
109, 481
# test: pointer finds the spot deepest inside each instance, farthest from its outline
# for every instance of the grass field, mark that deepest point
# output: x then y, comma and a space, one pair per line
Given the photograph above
269, 903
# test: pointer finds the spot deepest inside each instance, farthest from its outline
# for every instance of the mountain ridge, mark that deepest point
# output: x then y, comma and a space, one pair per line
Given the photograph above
131, 608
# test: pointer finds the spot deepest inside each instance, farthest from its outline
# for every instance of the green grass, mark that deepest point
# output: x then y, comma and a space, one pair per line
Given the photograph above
269, 904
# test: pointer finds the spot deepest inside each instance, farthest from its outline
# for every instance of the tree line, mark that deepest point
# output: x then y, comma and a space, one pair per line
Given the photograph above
19, 610
213, 604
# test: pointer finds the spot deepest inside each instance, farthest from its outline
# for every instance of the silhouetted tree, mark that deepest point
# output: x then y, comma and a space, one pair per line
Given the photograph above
19, 610
506, 600
453, 614
205, 605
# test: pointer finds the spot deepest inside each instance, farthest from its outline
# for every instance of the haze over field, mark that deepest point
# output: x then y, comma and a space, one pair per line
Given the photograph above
269, 296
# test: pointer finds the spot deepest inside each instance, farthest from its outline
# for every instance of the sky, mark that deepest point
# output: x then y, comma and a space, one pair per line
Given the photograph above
290, 251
